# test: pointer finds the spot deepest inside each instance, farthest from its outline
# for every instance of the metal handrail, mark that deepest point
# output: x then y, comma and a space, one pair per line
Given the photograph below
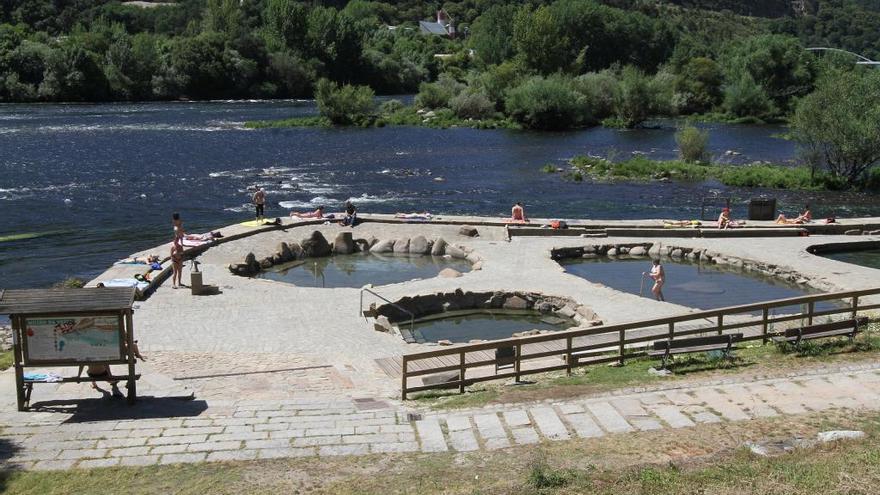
412, 316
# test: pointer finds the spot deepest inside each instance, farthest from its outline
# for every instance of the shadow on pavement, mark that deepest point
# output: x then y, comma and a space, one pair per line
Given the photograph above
104, 409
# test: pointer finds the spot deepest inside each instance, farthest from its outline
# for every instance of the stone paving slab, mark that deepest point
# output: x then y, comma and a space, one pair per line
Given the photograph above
36, 443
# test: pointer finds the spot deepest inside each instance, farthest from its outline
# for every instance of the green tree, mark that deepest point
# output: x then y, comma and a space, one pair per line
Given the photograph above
698, 86
692, 144
345, 105
839, 121
538, 39
285, 24
492, 34
745, 98
546, 103
73, 74
635, 100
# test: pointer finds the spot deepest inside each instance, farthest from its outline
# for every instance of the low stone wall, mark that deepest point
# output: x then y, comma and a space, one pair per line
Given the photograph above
317, 246
442, 302
657, 250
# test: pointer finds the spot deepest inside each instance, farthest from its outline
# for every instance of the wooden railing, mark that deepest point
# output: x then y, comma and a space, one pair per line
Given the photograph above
618, 342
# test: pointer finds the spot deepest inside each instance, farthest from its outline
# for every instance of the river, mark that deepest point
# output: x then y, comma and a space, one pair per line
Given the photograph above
84, 185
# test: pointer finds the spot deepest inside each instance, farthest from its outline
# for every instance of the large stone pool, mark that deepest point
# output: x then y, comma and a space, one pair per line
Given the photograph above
359, 269
869, 258
697, 285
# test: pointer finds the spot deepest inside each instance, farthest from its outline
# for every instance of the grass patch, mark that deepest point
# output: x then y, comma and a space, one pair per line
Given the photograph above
751, 359
755, 175
6, 360
310, 121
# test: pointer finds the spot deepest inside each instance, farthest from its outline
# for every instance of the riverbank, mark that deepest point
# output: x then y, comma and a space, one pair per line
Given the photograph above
755, 175
399, 116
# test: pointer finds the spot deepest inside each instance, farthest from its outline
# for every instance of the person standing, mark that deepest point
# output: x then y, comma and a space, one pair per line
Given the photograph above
658, 275
179, 232
176, 264
260, 202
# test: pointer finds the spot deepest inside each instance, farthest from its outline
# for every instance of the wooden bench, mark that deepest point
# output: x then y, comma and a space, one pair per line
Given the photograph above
29, 384
848, 327
668, 348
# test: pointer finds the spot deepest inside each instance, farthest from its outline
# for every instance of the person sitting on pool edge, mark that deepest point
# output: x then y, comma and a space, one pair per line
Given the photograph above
805, 217
350, 218
724, 219
318, 213
518, 213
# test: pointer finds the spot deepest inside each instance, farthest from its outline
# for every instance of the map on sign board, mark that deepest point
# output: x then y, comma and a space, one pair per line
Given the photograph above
89, 338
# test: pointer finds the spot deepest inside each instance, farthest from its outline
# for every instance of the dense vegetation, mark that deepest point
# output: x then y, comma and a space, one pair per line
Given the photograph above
97, 50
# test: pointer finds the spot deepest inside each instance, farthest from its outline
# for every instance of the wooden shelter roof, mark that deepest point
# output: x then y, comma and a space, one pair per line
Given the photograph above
94, 299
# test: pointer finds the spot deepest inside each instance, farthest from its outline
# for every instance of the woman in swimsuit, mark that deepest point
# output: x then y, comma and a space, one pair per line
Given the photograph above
805, 217
176, 264
658, 275
518, 213
319, 213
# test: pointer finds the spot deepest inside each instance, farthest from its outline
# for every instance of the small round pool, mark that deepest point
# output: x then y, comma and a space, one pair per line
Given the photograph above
359, 269
696, 285
464, 326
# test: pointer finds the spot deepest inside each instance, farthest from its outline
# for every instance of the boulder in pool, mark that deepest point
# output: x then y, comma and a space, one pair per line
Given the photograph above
455, 252
637, 251
401, 246
419, 245
284, 254
251, 261
344, 243
385, 246
515, 302
439, 247
316, 246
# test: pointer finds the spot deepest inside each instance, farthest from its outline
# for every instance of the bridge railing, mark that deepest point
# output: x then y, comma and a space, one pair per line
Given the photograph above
619, 342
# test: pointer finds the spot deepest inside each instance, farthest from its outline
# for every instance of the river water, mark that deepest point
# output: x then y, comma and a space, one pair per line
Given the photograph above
84, 185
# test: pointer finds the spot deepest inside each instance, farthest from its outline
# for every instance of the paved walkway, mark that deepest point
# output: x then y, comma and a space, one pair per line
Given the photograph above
174, 431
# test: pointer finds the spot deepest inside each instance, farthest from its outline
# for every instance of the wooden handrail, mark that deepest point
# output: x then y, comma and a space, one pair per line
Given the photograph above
762, 320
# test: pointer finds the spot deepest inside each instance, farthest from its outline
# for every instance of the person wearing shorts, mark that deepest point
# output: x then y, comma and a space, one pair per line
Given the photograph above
260, 202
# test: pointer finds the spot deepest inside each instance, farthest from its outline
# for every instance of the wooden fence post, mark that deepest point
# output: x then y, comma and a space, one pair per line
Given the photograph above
764, 324
855, 306
720, 324
516, 364
671, 330
621, 349
403, 377
568, 355
461, 374
811, 306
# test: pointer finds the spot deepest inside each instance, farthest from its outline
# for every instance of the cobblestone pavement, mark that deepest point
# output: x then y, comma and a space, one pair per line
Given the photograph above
174, 431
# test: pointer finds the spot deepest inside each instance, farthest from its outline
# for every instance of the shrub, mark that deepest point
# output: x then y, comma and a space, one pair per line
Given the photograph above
598, 90
635, 101
391, 106
744, 98
546, 103
345, 105
438, 94
70, 283
692, 144
472, 106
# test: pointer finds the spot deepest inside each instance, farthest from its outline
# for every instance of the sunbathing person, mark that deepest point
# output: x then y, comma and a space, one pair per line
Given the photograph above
681, 223
139, 260
518, 213
805, 217
318, 213
414, 216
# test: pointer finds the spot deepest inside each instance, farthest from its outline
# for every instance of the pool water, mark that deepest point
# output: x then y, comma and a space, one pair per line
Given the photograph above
359, 269
694, 285
485, 325
869, 258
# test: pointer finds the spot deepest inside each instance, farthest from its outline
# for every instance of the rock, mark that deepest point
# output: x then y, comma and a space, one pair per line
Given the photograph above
455, 252
587, 256
654, 250
834, 435
495, 301
515, 302
622, 250
544, 307
692, 255
468, 231
586, 312
449, 273
656, 372
612, 252
590, 250
419, 245
439, 247
401, 246
444, 342
853, 232
240, 269
316, 246
284, 253
382, 325
527, 333
276, 259
344, 243
874, 232
638, 251
385, 246
251, 261
596, 323
295, 250
553, 320
362, 245
676, 253
567, 312
266, 263
477, 266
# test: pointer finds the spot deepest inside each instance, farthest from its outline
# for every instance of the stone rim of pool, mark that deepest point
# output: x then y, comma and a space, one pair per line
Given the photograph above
395, 317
